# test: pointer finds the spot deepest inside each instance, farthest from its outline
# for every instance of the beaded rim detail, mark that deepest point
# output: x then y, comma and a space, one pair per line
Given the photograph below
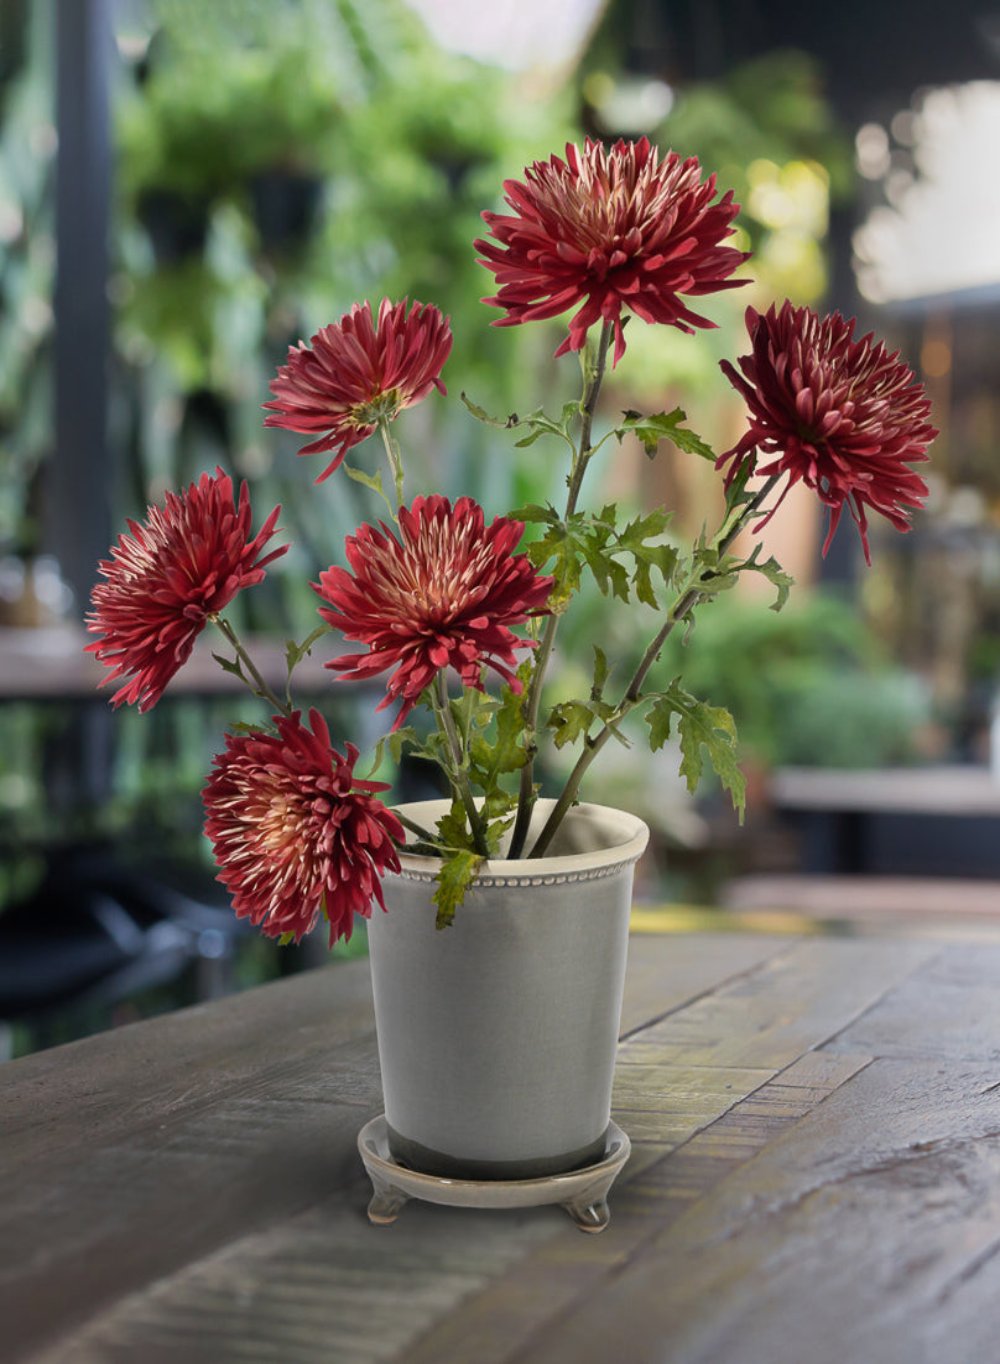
488, 881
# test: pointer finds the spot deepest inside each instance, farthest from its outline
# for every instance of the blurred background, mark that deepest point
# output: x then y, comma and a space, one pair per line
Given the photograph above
186, 189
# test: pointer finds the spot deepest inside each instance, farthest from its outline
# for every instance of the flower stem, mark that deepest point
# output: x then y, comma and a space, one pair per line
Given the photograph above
395, 459
681, 608
532, 702
459, 775
259, 687
415, 828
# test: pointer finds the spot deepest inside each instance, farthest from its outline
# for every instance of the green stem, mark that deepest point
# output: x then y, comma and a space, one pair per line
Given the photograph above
458, 774
533, 699
679, 611
415, 828
260, 688
394, 458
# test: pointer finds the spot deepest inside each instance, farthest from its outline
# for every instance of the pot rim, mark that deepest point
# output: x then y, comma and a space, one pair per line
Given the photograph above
627, 834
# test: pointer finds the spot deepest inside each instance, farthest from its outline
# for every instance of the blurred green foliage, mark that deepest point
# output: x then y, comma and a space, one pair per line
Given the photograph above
27, 272
810, 686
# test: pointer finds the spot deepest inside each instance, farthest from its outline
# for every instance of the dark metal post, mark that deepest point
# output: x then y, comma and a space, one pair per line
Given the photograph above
81, 486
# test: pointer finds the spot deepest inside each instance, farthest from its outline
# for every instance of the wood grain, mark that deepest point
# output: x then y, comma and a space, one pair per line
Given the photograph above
815, 1180
138, 1157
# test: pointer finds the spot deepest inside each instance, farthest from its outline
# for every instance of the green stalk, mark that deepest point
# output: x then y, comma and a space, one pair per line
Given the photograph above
395, 459
260, 688
414, 827
533, 699
459, 776
683, 605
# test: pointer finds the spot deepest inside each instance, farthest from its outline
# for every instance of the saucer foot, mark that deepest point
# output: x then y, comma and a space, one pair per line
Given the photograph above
590, 1217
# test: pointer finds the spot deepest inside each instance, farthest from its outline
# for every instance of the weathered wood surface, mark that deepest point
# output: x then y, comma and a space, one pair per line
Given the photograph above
815, 1180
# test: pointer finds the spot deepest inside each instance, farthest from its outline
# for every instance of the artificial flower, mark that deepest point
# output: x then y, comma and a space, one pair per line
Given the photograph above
295, 834
173, 571
609, 231
354, 374
445, 593
841, 415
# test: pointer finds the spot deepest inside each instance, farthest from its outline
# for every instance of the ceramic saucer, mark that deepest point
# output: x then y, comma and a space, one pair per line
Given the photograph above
583, 1193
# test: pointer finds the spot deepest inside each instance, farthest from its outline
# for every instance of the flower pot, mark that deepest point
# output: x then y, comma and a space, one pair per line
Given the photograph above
497, 1035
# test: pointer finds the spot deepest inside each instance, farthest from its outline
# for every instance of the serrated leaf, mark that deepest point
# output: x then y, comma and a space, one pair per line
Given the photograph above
458, 871
776, 575
699, 726
506, 752
664, 426
660, 718
570, 721
573, 720
453, 827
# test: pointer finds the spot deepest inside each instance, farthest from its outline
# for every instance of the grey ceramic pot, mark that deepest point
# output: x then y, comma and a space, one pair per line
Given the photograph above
497, 1035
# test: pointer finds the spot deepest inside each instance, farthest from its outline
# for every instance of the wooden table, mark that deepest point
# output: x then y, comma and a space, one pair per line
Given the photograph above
815, 1180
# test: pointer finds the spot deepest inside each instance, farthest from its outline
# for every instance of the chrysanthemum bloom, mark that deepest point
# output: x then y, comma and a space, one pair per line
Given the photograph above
604, 231
295, 833
843, 416
165, 578
351, 376
444, 594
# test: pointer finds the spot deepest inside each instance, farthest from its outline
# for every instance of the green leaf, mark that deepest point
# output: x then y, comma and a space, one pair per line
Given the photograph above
601, 671
482, 415
230, 665
558, 545
775, 574
573, 720
535, 514
400, 739
737, 494
457, 873
664, 558
570, 721
664, 426
372, 481
506, 751
453, 828
699, 726
285, 939
660, 718
295, 653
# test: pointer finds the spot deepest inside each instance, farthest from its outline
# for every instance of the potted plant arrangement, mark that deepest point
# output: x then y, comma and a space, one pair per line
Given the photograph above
497, 1033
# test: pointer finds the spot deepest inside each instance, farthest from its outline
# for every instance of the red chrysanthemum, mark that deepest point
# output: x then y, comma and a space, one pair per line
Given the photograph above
174, 570
843, 416
608, 230
351, 376
295, 833
445, 594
